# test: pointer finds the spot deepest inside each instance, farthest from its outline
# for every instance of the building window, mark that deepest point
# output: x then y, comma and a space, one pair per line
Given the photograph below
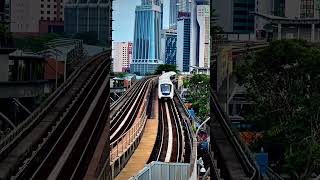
60, 19
55, 18
42, 5
54, 12
48, 6
55, 6
42, 12
48, 12
48, 18
42, 18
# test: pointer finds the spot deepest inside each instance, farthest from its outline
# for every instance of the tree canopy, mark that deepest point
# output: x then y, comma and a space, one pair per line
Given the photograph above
284, 82
166, 68
198, 90
35, 44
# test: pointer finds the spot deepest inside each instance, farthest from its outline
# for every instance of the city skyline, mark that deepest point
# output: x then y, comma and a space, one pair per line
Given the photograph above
124, 17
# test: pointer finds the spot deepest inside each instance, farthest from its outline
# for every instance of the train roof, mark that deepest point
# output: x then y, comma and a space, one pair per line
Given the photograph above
165, 81
167, 75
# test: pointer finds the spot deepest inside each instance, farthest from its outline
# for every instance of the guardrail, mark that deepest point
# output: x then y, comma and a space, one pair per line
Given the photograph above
243, 151
123, 143
129, 141
192, 141
273, 175
161, 170
43, 108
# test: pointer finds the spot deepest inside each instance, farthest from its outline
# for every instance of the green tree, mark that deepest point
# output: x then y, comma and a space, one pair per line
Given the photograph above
35, 44
166, 68
121, 75
198, 86
284, 82
90, 38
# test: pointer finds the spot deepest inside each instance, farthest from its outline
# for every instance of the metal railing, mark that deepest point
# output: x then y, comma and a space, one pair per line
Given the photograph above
192, 140
161, 170
124, 142
43, 108
242, 150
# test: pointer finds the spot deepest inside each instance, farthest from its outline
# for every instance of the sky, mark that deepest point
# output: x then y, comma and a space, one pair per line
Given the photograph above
123, 16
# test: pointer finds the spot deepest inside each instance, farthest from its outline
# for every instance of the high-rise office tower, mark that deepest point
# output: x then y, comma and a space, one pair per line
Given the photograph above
183, 43
38, 16
169, 46
200, 33
234, 15
203, 19
88, 16
146, 43
184, 5
173, 14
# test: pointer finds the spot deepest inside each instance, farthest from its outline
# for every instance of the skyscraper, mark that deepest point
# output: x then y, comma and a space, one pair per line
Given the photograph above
234, 15
200, 31
146, 43
173, 14
88, 16
184, 5
169, 46
183, 43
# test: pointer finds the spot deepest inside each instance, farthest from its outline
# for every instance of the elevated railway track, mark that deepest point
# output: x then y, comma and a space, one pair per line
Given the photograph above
57, 139
174, 138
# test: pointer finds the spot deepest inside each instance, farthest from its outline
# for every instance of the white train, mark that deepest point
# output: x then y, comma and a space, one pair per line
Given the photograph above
165, 86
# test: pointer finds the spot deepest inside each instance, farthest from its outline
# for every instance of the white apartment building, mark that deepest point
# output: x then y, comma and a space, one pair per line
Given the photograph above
122, 56
203, 19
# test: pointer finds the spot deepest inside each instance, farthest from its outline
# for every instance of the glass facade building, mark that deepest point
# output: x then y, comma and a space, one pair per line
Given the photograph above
279, 8
243, 22
146, 43
170, 48
183, 43
88, 16
173, 14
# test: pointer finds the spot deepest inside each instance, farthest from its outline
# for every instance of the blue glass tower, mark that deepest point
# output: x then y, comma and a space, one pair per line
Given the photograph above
170, 48
146, 43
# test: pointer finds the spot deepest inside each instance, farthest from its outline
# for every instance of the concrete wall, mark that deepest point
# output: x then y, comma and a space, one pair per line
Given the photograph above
292, 8
292, 32
25, 16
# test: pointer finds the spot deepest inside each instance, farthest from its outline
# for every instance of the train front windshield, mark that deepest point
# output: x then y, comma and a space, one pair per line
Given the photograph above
165, 89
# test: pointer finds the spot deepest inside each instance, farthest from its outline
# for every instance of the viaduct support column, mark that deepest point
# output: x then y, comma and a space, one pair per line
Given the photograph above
279, 31
312, 32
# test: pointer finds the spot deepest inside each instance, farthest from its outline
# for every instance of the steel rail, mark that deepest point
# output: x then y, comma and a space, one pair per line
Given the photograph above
235, 140
126, 114
37, 154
